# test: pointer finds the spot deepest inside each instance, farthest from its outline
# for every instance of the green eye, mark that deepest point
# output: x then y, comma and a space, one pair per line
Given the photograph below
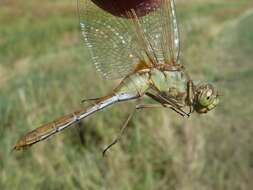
205, 100
206, 97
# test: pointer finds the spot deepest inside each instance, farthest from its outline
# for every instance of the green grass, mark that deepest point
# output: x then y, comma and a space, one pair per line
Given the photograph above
45, 72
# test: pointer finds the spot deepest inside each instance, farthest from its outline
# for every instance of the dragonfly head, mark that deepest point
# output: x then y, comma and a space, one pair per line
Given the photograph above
206, 98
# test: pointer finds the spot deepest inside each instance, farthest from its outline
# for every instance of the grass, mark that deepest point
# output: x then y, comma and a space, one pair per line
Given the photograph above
45, 72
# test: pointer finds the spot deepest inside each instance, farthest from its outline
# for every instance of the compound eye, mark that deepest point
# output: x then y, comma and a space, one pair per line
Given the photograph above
205, 99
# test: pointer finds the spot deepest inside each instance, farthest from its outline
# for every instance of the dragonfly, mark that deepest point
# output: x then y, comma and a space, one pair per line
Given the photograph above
141, 47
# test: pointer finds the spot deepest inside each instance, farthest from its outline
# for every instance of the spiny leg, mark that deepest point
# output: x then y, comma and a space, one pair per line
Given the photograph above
169, 104
143, 106
190, 95
89, 100
120, 134
179, 111
137, 107
98, 99
174, 107
166, 101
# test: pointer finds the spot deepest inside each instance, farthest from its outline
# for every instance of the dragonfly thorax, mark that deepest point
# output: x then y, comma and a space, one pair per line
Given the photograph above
172, 84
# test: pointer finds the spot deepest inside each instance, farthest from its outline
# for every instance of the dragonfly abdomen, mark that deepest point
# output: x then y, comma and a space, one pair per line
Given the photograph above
49, 129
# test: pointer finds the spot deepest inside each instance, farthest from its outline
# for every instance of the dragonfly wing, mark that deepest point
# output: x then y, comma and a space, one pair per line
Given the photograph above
175, 32
110, 39
117, 44
163, 33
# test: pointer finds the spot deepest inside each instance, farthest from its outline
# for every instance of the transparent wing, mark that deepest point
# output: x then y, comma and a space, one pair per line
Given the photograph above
161, 30
117, 44
112, 45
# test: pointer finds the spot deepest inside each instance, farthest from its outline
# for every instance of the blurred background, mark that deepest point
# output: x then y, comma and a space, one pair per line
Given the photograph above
45, 72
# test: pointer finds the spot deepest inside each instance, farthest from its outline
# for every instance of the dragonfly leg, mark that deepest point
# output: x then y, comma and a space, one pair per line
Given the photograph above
137, 107
122, 130
143, 106
168, 103
96, 100
179, 111
89, 99
190, 95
